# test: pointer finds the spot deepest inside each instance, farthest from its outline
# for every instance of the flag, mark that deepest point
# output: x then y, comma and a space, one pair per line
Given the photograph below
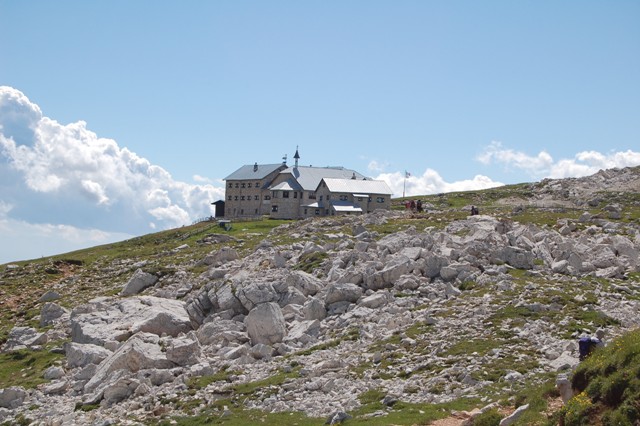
407, 174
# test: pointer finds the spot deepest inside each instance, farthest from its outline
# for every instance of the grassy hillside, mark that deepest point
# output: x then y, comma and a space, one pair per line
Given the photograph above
608, 381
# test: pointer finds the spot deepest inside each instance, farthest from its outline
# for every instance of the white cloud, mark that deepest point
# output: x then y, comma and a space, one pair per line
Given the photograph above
376, 167
201, 179
495, 152
543, 165
30, 241
432, 183
69, 161
5, 208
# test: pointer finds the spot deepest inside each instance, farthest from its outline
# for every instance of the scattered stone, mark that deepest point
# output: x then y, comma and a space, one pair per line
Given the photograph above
138, 282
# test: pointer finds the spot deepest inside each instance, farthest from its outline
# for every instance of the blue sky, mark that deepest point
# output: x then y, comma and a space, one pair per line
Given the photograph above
120, 118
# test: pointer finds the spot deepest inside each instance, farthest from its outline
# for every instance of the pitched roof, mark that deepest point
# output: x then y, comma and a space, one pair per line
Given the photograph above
288, 185
358, 186
310, 177
250, 171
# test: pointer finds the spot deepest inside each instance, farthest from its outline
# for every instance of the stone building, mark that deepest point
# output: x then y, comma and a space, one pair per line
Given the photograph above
247, 191
302, 191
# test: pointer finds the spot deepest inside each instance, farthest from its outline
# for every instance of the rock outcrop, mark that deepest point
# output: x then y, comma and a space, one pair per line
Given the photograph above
427, 314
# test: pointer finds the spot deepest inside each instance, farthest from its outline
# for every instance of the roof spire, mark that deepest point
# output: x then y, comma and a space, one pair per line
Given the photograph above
296, 156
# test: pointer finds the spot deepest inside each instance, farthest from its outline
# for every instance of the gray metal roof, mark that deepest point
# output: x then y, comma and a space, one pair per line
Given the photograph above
355, 186
310, 177
288, 185
247, 172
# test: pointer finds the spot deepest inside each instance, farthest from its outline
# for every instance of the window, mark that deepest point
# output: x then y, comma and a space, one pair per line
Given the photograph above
285, 194
242, 198
249, 185
257, 184
312, 195
241, 211
256, 211
295, 194
326, 212
317, 211
230, 185
256, 197
380, 199
275, 194
328, 197
274, 209
236, 198
305, 212
267, 197
343, 198
230, 197
243, 185
237, 185
321, 198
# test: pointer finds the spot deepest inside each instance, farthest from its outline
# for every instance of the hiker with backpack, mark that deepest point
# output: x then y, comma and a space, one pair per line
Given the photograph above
587, 344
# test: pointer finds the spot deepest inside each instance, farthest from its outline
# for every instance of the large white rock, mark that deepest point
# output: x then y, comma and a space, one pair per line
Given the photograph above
184, 351
116, 320
140, 352
79, 355
376, 300
213, 332
22, 337
52, 312
265, 324
314, 309
342, 292
306, 283
138, 282
254, 294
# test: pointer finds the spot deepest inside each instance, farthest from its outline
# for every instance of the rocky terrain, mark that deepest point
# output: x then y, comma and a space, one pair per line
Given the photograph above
369, 319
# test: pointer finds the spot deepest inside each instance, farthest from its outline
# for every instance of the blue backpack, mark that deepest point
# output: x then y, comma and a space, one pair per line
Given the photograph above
586, 345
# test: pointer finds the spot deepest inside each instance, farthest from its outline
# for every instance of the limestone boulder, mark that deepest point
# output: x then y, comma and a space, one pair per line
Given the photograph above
515, 256
80, 355
184, 351
303, 331
138, 282
12, 397
24, 337
308, 284
314, 309
376, 300
254, 294
140, 352
215, 332
342, 292
224, 299
266, 324
116, 320
220, 257
52, 312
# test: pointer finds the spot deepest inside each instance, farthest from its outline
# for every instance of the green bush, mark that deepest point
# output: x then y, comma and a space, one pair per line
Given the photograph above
488, 418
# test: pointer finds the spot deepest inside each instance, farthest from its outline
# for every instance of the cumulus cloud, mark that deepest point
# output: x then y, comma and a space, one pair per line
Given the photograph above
543, 165
58, 161
432, 183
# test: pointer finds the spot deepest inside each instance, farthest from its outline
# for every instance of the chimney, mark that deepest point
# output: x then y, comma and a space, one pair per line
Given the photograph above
354, 176
255, 167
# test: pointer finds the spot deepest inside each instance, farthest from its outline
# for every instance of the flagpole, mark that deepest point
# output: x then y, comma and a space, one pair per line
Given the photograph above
404, 185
